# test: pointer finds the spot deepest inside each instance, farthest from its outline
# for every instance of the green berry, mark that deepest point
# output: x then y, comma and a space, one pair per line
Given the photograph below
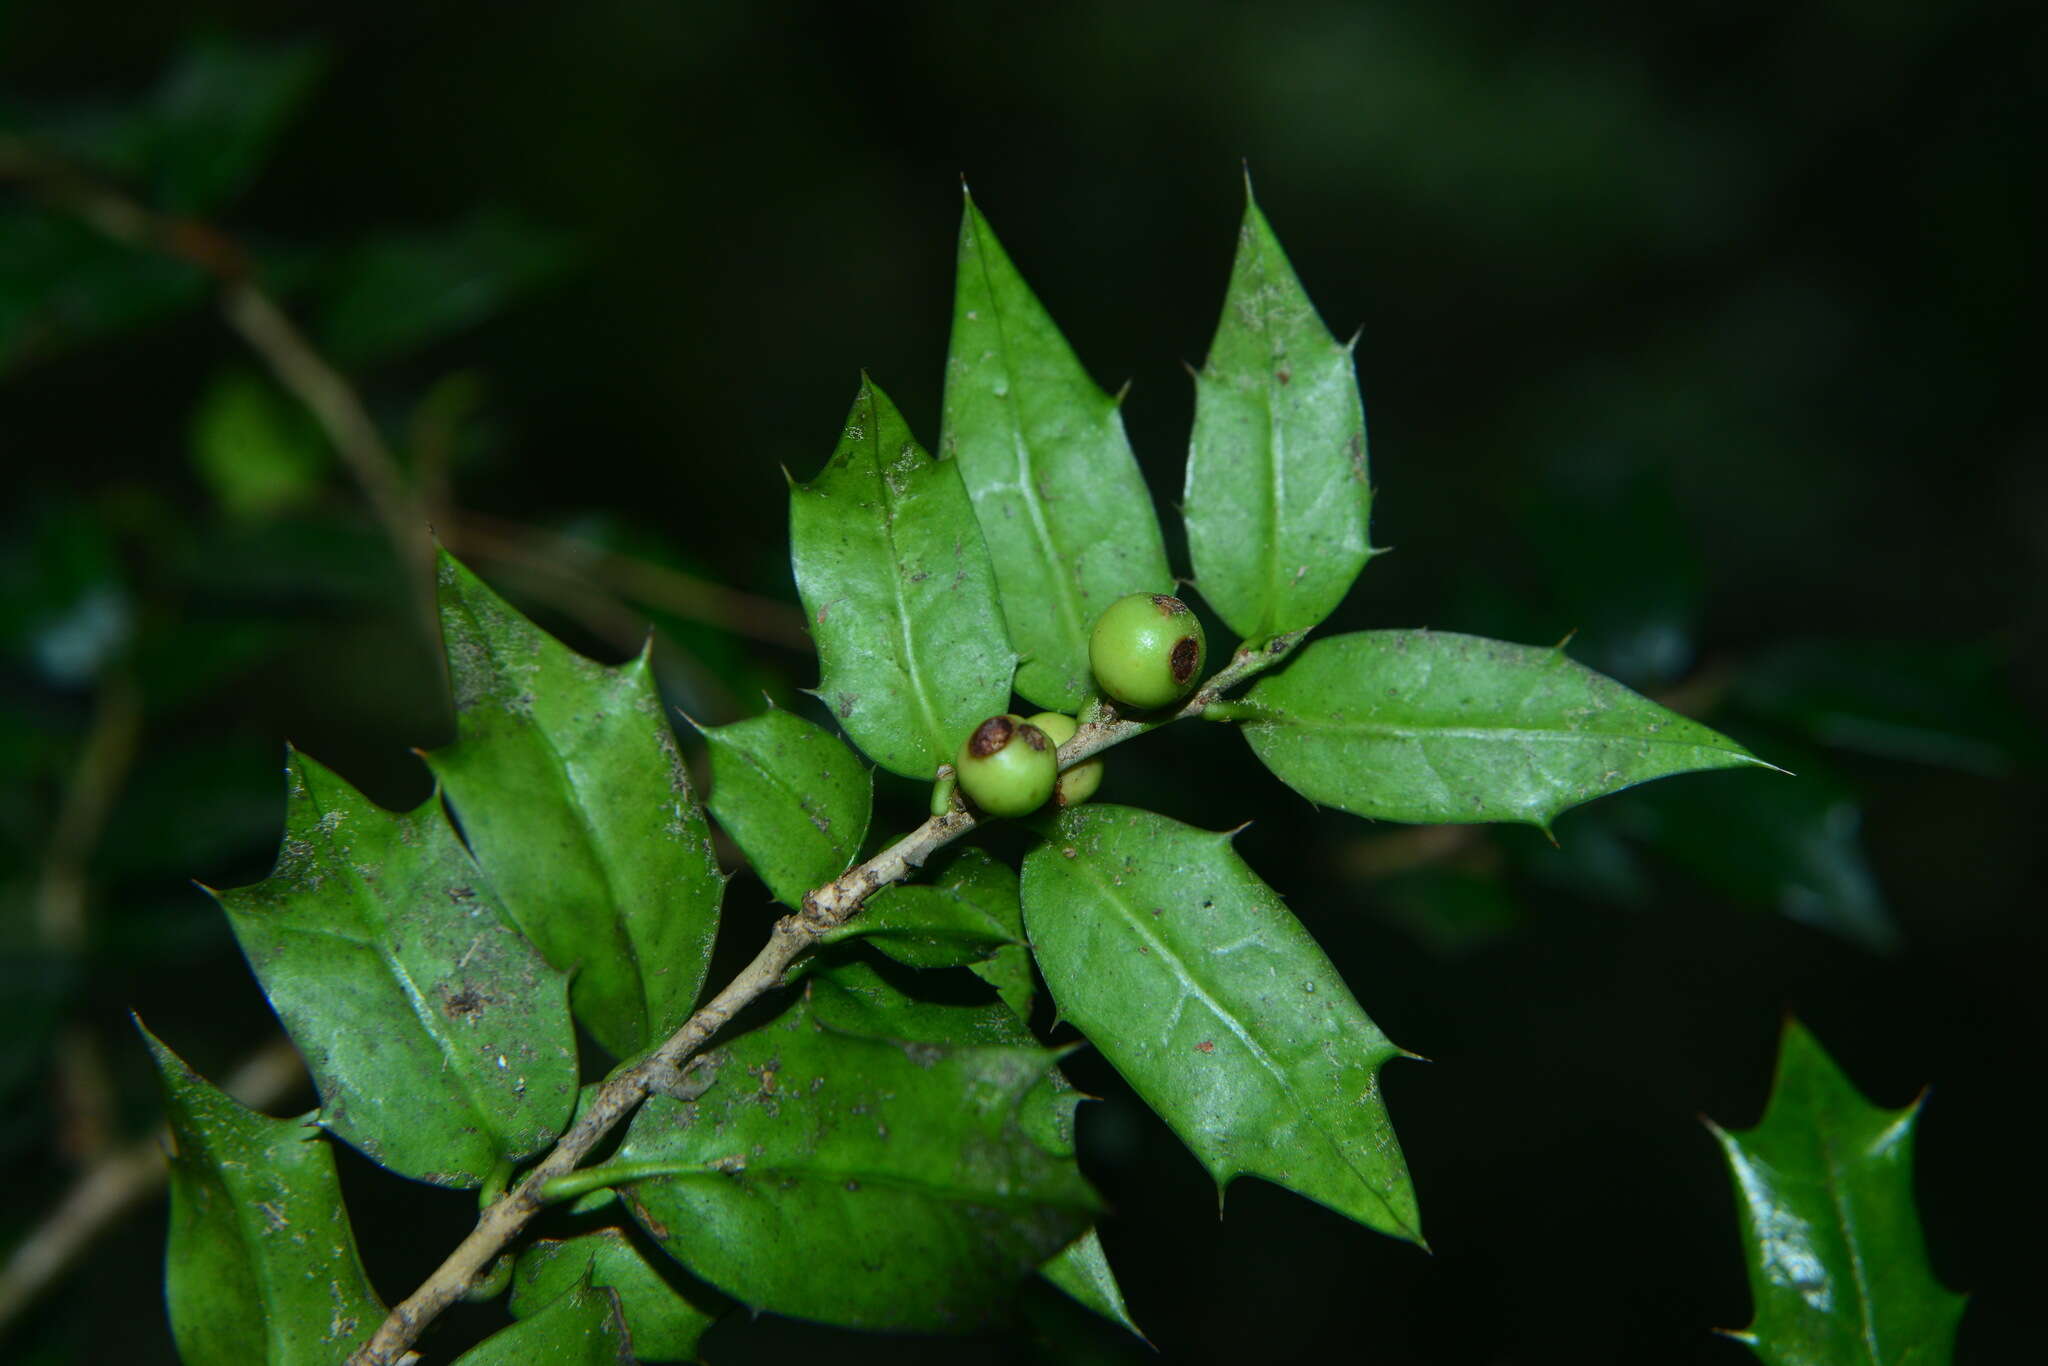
1008, 766
1078, 783
1147, 650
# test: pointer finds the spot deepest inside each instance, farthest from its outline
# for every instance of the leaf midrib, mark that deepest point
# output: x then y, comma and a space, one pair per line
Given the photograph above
935, 745
1166, 954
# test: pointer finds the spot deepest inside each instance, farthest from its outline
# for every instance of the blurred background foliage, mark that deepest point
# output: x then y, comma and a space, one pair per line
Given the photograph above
1696, 330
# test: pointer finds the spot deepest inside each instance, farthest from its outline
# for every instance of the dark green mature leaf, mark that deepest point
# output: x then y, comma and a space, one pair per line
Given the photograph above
793, 798
572, 792
261, 1265
853, 998
582, 1328
967, 911
1429, 726
664, 1325
207, 129
392, 295
857, 1181
1068, 519
1837, 1264
1204, 991
1800, 841
438, 1038
1277, 493
893, 572
1923, 701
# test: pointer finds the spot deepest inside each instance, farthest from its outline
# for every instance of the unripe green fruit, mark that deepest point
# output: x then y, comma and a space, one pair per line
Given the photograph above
1147, 650
1007, 766
1078, 783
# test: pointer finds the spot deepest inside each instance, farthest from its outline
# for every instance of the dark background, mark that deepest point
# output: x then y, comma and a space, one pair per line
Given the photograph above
1698, 329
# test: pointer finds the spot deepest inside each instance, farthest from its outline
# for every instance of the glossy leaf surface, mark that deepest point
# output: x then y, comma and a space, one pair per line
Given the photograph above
261, 1266
572, 792
438, 1038
581, 1328
1204, 991
1429, 726
906, 1169
1278, 493
665, 1326
966, 912
1061, 501
793, 798
1838, 1269
854, 998
901, 598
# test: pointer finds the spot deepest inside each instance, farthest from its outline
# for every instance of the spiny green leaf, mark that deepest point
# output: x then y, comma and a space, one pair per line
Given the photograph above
261, 1266
665, 1326
965, 913
793, 798
1277, 494
572, 792
1837, 1264
1059, 495
1429, 726
438, 1038
854, 998
894, 575
904, 1168
581, 1328
1199, 986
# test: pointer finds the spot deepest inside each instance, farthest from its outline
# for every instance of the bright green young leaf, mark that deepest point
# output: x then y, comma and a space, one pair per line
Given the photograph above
1837, 1265
665, 1326
1277, 492
583, 1327
793, 798
438, 1038
896, 580
572, 792
853, 998
1068, 519
965, 913
1204, 991
258, 451
857, 1181
262, 1268
1433, 727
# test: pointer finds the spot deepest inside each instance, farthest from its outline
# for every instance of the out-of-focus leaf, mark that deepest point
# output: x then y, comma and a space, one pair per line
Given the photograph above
1060, 498
207, 129
1794, 845
665, 1326
793, 798
1450, 911
1428, 726
258, 451
438, 1038
261, 1265
894, 576
62, 284
1837, 1265
572, 791
961, 916
583, 1327
65, 606
1277, 490
1921, 701
906, 1167
852, 997
393, 295
1211, 999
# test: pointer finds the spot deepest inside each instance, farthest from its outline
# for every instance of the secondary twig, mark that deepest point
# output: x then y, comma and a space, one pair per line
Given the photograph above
120, 1180
824, 910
